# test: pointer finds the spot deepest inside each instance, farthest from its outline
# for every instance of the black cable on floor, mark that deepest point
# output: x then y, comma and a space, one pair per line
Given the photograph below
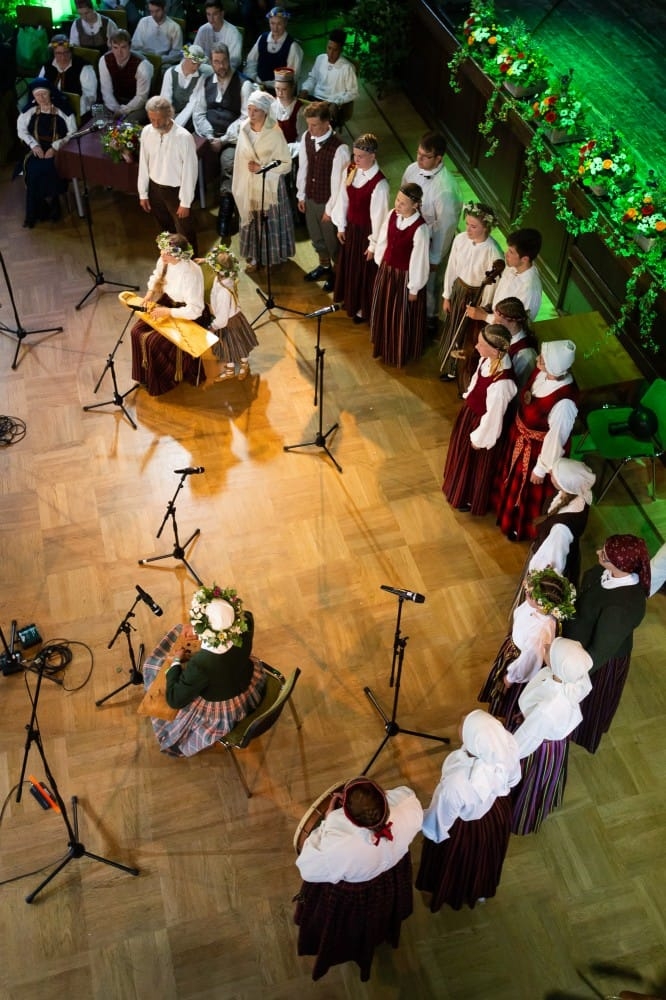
12, 429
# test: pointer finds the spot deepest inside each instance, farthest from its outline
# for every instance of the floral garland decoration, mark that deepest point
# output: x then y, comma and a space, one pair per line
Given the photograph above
122, 138
200, 621
644, 209
222, 261
544, 587
480, 38
165, 245
603, 163
559, 107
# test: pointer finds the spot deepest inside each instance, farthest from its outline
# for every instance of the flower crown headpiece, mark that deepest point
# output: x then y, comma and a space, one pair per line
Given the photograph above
553, 594
222, 261
194, 52
472, 208
164, 242
201, 623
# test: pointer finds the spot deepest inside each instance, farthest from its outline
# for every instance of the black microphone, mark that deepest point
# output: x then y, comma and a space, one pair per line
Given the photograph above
323, 312
147, 599
190, 471
269, 166
407, 595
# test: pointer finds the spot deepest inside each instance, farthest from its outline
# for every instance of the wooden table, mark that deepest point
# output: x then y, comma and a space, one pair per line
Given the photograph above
605, 373
100, 169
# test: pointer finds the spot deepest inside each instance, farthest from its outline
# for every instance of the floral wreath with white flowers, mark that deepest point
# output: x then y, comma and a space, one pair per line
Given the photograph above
475, 209
201, 623
165, 245
552, 593
196, 57
221, 260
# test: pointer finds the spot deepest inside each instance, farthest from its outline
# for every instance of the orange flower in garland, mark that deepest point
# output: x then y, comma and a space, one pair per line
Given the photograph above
644, 208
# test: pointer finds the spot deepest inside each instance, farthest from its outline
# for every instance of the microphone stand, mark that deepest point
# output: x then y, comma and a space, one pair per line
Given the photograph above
391, 726
321, 438
97, 274
178, 551
135, 675
118, 397
75, 849
264, 240
19, 330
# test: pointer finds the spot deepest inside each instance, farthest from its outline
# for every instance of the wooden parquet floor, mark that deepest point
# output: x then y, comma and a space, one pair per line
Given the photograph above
81, 499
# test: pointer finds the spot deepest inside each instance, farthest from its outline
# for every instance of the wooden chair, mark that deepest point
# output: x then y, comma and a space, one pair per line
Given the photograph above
75, 102
119, 17
156, 62
91, 56
277, 693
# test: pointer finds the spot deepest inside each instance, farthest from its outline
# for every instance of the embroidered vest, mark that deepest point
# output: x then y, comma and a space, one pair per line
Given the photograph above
358, 212
123, 78
320, 165
476, 398
222, 113
400, 242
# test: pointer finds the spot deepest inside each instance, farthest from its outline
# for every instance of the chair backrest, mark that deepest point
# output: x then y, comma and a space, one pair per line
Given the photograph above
91, 56
28, 16
276, 695
119, 17
75, 102
156, 62
655, 399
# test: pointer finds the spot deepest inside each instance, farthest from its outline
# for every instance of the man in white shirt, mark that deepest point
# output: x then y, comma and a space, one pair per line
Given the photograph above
333, 78
441, 207
219, 107
217, 30
168, 171
125, 80
158, 34
520, 278
90, 29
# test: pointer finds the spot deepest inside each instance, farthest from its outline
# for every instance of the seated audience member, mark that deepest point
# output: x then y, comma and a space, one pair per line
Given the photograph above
215, 687
218, 110
125, 80
175, 290
182, 84
131, 11
90, 29
468, 822
44, 128
217, 31
357, 875
158, 34
69, 73
332, 77
273, 49
286, 109
236, 337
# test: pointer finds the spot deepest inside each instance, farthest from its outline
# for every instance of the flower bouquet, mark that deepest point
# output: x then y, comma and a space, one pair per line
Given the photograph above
121, 141
604, 168
644, 212
479, 39
520, 65
559, 111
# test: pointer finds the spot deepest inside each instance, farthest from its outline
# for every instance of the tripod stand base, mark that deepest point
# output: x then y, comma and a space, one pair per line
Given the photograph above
20, 333
136, 677
392, 729
118, 400
178, 553
77, 850
318, 442
270, 304
98, 281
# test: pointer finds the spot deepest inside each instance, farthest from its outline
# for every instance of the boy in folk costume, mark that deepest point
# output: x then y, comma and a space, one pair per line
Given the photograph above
236, 337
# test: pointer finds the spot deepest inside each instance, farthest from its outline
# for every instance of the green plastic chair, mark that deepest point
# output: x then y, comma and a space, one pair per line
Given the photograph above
277, 694
608, 434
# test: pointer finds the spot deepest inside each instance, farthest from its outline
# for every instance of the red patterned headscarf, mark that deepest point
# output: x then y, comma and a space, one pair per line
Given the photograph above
630, 555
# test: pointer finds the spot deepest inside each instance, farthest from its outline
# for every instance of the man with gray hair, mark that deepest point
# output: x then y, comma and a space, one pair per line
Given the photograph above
168, 171
217, 113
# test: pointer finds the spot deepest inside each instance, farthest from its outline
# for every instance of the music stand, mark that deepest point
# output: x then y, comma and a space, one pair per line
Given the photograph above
19, 330
135, 675
320, 440
97, 274
118, 397
75, 849
178, 551
264, 240
391, 726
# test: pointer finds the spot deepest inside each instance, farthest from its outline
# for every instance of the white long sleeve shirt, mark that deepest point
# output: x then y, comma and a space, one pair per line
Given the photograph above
525, 286
469, 261
183, 283
419, 268
82, 37
23, 121
294, 57
228, 35
335, 82
164, 39
532, 631
144, 74
499, 395
88, 79
379, 204
441, 206
338, 170
168, 158
561, 420
185, 114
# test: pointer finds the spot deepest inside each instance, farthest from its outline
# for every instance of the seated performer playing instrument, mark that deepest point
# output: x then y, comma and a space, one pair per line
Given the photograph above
175, 290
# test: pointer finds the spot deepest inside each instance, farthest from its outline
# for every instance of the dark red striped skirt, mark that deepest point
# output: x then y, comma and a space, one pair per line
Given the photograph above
354, 275
397, 326
468, 472
602, 702
467, 867
503, 702
541, 788
345, 922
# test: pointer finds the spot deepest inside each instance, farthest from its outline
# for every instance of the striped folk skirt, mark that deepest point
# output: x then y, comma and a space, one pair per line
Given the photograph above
468, 866
468, 472
397, 326
346, 921
541, 789
503, 702
354, 275
281, 240
602, 702
201, 723
236, 340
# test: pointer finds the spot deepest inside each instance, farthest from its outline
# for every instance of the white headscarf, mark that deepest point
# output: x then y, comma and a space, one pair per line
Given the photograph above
262, 100
574, 477
558, 356
550, 702
490, 755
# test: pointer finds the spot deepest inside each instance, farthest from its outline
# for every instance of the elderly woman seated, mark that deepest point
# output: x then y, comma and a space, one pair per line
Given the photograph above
215, 687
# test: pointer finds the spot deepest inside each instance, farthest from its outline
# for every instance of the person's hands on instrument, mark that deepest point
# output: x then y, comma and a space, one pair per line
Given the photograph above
160, 312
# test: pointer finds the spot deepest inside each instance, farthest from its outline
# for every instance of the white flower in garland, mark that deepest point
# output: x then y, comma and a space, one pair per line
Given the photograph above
211, 635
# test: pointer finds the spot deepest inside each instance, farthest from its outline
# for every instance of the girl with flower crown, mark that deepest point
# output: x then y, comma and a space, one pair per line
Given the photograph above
215, 687
472, 255
176, 290
549, 600
236, 337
